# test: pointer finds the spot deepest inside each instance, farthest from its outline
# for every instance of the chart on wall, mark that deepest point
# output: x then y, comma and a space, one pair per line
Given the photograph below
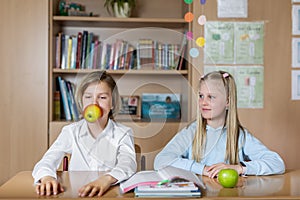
249, 81
234, 42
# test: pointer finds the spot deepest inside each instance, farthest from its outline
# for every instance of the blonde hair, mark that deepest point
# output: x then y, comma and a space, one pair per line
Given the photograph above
97, 77
232, 122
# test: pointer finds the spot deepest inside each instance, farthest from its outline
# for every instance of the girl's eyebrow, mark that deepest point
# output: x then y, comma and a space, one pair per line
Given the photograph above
96, 93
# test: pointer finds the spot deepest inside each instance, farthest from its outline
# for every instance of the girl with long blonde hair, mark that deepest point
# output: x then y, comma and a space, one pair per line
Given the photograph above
217, 140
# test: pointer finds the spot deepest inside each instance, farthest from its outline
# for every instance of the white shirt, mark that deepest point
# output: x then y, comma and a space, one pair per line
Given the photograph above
112, 151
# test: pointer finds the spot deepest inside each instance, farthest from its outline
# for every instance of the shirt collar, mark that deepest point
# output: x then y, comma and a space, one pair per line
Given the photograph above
108, 130
209, 128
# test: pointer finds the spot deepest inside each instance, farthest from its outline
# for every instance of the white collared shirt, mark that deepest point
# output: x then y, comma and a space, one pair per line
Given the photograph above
112, 151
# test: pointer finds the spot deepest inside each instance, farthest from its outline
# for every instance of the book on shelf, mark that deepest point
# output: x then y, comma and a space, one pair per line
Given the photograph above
96, 54
79, 49
72, 102
145, 54
171, 189
183, 49
64, 98
103, 55
130, 107
84, 49
161, 106
58, 51
64, 49
74, 52
89, 51
153, 178
69, 52
56, 105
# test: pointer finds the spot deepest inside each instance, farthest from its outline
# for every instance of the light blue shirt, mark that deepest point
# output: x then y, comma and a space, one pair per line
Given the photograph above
178, 152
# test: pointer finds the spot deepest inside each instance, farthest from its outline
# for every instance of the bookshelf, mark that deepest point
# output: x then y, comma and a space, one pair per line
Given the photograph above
150, 20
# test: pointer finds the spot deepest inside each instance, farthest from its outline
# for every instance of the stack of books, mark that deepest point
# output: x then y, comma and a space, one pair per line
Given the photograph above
177, 189
166, 182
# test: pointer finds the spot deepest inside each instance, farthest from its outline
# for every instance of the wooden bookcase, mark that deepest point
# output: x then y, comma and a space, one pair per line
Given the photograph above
151, 19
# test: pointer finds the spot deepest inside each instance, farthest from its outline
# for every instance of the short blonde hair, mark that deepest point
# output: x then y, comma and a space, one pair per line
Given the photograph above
96, 77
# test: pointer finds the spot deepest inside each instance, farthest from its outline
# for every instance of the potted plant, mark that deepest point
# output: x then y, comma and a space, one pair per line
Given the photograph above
120, 8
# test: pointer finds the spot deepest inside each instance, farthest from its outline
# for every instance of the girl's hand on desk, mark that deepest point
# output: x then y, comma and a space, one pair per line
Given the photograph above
97, 187
213, 170
48, 185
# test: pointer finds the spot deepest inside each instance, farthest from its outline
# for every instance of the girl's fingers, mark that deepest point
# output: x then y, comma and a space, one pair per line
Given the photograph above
42, 189
84, 191
55, 188
37, 189
48, 188
93, 191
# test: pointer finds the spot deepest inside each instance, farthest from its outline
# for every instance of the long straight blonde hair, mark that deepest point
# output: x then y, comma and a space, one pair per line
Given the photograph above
232, 123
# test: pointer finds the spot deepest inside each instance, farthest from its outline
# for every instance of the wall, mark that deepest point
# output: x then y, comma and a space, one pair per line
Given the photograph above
23, 84
277, 124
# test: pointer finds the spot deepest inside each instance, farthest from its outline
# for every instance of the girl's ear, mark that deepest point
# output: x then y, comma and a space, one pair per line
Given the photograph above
227, 103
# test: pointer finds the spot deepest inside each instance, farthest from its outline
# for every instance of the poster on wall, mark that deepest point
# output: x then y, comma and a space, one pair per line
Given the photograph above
295, 84
249, 81
219, 47
234, 43
232, 8
296, 19
295, 52
249, 42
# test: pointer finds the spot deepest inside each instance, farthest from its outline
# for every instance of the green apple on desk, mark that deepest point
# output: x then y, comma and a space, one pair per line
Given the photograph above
228, 178
92, 113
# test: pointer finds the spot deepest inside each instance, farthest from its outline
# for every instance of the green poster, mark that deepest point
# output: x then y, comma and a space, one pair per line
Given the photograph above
219, 44
250, 86
249, 42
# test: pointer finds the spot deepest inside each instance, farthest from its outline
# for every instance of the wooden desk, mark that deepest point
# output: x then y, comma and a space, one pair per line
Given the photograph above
285, 186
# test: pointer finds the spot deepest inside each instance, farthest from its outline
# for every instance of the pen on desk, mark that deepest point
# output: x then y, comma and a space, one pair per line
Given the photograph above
163, 182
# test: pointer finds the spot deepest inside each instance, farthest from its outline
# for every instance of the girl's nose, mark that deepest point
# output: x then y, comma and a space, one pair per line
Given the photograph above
204, 101
94, 101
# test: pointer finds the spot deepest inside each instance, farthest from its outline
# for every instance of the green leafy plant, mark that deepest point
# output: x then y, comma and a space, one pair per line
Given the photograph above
109, 4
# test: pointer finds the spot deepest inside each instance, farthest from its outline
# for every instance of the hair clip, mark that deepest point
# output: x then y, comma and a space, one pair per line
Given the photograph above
225, 75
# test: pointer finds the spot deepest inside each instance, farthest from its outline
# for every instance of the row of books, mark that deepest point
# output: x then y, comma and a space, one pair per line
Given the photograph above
65, 104
86, 51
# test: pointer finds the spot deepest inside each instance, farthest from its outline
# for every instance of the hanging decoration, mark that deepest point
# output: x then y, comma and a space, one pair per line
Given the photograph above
189, 17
